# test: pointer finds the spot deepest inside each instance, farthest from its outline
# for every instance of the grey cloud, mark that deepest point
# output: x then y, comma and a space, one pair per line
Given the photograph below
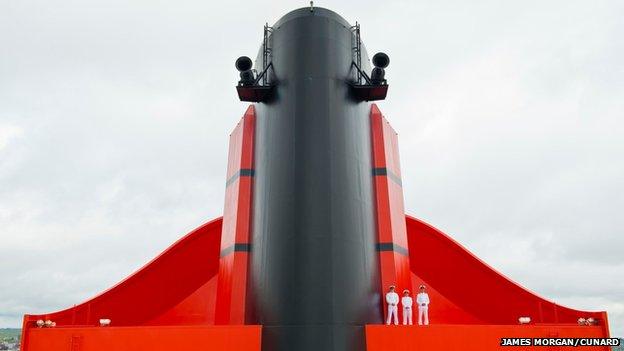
115, 116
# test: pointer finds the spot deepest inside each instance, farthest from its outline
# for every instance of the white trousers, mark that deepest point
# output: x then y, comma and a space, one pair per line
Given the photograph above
407, 316
392, 312
423, 311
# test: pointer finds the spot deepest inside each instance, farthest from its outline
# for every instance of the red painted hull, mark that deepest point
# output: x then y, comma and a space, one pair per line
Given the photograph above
472, 337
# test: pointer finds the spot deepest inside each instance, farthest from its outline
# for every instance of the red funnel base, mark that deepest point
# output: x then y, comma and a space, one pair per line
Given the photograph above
195, 294
181, 315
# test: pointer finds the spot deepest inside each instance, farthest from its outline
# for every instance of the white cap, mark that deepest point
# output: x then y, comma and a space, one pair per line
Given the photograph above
524, 320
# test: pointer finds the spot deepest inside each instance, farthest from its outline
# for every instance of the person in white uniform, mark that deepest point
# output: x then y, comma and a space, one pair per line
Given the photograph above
406, 301
392, 299
422, 299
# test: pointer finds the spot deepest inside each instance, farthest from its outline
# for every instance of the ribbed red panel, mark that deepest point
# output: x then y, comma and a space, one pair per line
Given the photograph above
391, 231
443, 337
161, 338
234, 261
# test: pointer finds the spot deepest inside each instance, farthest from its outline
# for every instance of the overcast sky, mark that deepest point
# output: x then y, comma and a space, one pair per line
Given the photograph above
115, 115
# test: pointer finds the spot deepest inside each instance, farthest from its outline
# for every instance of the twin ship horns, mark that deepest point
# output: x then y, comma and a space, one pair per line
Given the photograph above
254, 87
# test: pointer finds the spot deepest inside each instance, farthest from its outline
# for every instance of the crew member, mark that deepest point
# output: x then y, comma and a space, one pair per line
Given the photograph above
422, 299
406, 301
392, 299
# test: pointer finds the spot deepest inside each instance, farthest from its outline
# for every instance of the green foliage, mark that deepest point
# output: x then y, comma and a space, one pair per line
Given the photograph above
10, 334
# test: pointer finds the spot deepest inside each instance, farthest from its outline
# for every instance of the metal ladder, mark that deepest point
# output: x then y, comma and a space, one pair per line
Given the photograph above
267, 51
356, 48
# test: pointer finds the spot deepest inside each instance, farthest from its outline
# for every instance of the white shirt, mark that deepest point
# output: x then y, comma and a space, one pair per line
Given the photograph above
422, 298
406, 301
392, 298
